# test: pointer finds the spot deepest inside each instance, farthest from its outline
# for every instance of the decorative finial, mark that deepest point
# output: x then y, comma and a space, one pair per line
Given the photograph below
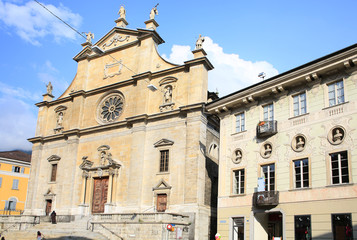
122, 12
199, 42
49, 88
154, 12
90, 36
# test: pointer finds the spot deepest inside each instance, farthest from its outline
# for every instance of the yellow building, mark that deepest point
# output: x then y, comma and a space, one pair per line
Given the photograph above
14, 174
287, 156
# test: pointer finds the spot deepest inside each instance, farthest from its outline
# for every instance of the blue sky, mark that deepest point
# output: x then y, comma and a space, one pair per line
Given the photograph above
243, 38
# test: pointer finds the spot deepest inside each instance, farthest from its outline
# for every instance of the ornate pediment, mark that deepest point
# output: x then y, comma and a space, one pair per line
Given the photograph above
53, 158
117, 37
162, 185
86, 164
163, 142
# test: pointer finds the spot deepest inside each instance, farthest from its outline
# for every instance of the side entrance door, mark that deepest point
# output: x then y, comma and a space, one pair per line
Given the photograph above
100, 193
48, 207
161, 202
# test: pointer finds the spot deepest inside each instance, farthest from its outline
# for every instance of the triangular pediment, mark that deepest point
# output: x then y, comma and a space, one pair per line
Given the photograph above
117, 37
163, 142
54, 158
161, 185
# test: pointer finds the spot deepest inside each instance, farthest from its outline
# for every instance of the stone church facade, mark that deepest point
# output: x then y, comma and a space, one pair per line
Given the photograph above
129, 138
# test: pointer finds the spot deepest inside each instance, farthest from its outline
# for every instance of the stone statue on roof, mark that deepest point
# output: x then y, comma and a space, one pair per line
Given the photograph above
90, 36
154, 12
49, 88
199, 42
122, 12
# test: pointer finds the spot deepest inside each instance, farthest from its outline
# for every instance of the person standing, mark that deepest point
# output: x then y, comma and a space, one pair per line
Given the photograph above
53, 217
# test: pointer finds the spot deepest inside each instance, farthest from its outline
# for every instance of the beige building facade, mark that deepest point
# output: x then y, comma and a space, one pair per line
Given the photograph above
126, 142
288, 158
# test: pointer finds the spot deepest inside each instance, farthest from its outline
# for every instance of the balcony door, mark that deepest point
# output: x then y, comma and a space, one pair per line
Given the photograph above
268, 111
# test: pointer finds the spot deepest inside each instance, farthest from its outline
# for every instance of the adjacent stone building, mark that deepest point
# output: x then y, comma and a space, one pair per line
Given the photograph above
126, 142
288, 157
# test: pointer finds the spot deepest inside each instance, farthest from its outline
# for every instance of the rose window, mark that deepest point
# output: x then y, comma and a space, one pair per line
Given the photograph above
111, 108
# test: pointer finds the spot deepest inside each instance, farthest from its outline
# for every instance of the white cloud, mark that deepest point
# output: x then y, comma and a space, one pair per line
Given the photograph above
32, 22
18, 93
230, 73
18, 118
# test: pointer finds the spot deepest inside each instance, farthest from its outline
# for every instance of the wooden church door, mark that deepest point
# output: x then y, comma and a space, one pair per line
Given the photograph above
100, 193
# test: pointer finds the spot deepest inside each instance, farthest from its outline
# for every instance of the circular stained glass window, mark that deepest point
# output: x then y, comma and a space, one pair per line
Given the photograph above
111, 107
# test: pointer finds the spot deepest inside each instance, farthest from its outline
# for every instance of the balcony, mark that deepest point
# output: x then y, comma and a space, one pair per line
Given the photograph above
266, 199
267, 128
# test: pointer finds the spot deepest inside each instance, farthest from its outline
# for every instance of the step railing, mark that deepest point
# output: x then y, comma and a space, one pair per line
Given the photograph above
111, 232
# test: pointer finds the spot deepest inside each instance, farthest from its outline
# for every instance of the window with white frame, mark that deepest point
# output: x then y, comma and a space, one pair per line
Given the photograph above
268, 171
301, 173
16, 169
15, 184
336, 93
268, 112
299, 104
339, 168
0, 181
238, 181
240, 122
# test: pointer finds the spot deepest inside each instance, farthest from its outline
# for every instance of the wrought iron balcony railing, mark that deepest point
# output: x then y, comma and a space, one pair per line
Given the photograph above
266, 199
267, 128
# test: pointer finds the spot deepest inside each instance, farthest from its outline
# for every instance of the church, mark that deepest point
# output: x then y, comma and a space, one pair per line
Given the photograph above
128, 145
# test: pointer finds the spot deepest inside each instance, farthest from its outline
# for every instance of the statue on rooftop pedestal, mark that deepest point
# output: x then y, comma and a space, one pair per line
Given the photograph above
122, 12
154, 12
90, 36
49, 88
199, 42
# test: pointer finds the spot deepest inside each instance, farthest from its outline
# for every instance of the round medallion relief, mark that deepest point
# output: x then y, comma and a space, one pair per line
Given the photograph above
110, 108
266, 150
237, 156
298, 143
336, 135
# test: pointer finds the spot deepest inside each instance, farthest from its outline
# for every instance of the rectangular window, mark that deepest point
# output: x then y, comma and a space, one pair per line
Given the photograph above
164, 160
15, 184
23, 170
238, 228
240, 122
339, 168
15, 169
268, 171
0, 181
54, 172
303, 227
342, 226
301, 173
268, 111
238, 181
336, 93
299, 104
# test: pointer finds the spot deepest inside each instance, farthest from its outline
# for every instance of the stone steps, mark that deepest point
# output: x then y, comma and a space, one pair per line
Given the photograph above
60, 231
53, 235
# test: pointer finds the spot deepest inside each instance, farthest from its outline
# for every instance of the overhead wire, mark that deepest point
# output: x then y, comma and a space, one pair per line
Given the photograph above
59, 18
